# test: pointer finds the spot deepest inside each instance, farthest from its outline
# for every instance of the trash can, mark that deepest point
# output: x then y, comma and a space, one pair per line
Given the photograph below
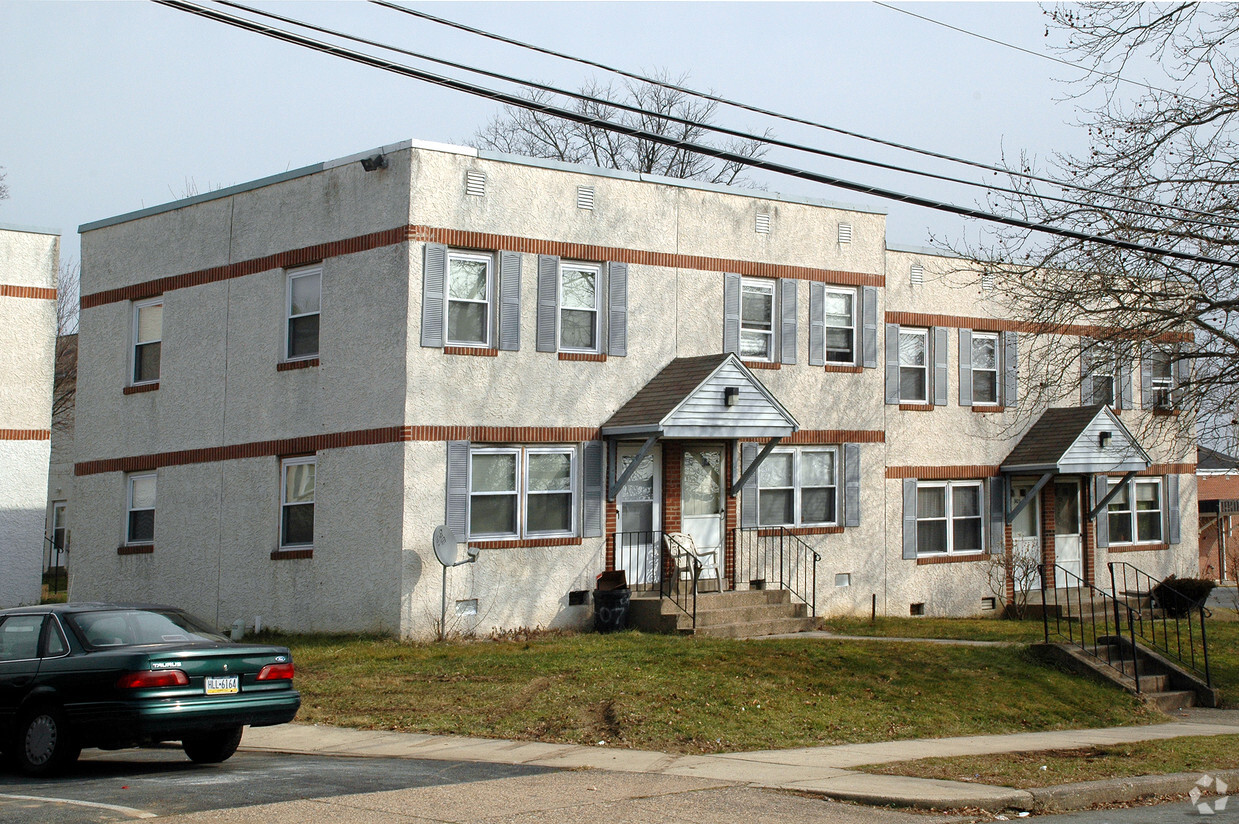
611, 597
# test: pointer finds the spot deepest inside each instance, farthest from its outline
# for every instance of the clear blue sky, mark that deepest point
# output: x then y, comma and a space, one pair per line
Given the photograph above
107, 107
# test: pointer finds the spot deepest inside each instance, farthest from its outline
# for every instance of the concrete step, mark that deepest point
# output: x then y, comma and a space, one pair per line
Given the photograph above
1170, 701
756, 629
744, 615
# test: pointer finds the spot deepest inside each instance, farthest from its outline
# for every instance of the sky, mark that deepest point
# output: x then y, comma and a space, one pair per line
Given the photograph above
109, 107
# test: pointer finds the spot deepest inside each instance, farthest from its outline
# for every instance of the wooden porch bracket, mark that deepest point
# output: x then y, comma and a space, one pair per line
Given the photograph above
748, 473
1032, 493
1102, 503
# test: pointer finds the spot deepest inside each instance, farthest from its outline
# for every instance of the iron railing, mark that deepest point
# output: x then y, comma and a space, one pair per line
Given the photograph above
772, 557
1090, 619
1174, 628
654, 561
54, 573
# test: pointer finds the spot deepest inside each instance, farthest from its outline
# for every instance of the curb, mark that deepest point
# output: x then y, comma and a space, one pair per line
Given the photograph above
1118, 790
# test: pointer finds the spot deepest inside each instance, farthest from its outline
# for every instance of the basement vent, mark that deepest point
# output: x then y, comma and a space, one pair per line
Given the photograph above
763, 224
916, 609
845, 233
989, 604
475, 184
918, 274
469, 607
578, 597
843, 579
987, 280
585, 197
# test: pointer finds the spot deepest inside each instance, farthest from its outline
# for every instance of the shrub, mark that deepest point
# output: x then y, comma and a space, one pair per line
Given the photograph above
1178, 596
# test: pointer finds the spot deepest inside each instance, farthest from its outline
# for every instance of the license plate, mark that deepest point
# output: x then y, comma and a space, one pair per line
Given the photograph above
223, 685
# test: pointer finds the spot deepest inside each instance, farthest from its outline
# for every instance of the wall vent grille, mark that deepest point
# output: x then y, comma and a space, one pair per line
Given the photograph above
918, 274
763, 224
585, 197
845, 233
475, 184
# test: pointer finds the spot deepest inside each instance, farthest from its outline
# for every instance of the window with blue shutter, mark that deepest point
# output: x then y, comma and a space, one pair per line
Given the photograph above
817, 324
731, 312
548, 302
869, 330
617, 309
940, 359
434, 284
510, 301
851, 484
788, 288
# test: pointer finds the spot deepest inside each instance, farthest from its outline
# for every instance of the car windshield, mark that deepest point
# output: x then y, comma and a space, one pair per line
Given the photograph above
135, 627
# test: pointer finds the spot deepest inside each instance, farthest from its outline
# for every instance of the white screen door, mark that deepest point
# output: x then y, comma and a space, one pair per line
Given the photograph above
638, 544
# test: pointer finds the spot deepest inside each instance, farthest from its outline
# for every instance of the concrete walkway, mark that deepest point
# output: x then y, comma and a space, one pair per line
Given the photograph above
821, 770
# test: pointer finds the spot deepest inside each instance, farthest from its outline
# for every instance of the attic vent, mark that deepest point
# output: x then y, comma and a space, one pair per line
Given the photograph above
585, 197
763, 224
845, 233
475, 184
918, 274
987, 280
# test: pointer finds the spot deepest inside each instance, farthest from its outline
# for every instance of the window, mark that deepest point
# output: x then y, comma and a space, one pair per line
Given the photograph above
840, 326
302, 308
757, 319
140, 510
1141, 523
798, 488
60, 525
297, 502
578, 307
1161, 379
147, 337
914, 365
984, 369
19, 637
522, 492
949, 518
1101, 372
470, 290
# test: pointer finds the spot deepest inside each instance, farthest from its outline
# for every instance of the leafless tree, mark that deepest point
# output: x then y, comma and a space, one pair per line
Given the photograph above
1021, 567
1161, 171
64, 390
533, 134
4, 187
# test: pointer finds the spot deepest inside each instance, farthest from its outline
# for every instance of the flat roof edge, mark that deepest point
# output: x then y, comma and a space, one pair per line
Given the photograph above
911, 249
30, 230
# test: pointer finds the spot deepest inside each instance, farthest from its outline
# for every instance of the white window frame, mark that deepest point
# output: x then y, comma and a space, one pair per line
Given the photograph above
597, 309
289, 317
285, 463
489, 302
522, 494
923, 334
760, 285
136, 341
1105, 365
797, 489
60, 521
130, 508
949, 517
1162, 386
997, 370
854, 295
1132, 512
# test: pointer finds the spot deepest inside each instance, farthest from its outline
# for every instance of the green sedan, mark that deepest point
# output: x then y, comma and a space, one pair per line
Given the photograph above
117, 675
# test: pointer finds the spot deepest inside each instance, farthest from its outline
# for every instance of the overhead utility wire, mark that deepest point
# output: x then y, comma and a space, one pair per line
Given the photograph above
691, 122
778, 115
708, 151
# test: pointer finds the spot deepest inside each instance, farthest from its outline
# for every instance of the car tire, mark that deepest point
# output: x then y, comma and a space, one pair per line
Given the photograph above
212, 747
42, 743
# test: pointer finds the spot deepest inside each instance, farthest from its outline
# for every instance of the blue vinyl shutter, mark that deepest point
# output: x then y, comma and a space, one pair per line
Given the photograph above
938, 336
434, 287
591, 526
869, 327
1101, 527
548, 303
965, 367
509, 301
617, 309
1173, 527
909, 518
787, 325
458, 488
851, 484
1010, 369
817, 324
731, 312
997, 491
748, 494
892, 363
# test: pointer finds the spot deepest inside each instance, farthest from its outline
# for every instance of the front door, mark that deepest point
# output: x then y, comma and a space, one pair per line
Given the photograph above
637, 546
1026, 536
1068, 540
702, 506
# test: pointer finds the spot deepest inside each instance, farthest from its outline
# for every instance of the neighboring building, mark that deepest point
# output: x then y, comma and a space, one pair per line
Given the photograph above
60, 476
1218, 491
286, 385
29, 259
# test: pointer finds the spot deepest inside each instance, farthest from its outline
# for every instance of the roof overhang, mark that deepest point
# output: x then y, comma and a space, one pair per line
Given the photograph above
1101, 444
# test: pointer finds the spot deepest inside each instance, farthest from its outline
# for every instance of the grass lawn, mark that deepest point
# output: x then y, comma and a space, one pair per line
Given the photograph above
692, 695
1029, 770
969, 629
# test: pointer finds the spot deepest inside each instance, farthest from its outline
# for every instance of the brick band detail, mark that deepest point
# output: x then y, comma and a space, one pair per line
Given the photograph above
25, 434
291, 554
828, 436
139, 549
591, 357
941, 473
800, 530
916, 407
35, 292
761, 364
140, 388
288, 366
1136, 548
839, 367
522, 543
471, 350
951, 559
1000, 325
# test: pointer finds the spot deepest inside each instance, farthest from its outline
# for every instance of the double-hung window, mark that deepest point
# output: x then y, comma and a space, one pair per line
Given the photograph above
757, 319
470, 296
949, 518
914, 365
147, 340
798, 488
297, 502
1161, 379
840, 319
301, 305
579, 304
522, 492
984, 369
1135, 512
1101, 373
140, 509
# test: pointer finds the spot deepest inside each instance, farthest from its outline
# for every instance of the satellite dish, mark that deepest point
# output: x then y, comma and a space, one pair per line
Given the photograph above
445, 545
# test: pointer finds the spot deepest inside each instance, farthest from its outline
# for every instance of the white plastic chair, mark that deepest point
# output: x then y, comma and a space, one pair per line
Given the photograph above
709, 560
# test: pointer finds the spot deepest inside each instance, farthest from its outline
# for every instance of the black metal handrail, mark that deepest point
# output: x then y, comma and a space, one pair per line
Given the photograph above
767, 557
678, 560
657, 562
53, 566
1076, 608
1180, 638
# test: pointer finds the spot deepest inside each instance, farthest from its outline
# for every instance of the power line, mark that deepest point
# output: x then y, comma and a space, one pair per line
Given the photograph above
777, 115
708, 151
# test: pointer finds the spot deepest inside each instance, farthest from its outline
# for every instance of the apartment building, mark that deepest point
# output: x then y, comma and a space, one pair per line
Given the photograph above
284, 387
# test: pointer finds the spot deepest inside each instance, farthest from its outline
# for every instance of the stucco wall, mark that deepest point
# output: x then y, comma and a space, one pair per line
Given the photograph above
23, 470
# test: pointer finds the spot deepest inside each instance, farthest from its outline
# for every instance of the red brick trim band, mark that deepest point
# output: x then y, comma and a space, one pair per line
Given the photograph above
504, 434
1136, 547
35, 292
138, 389
1160, 469
137, 549
838, 367
800, 530
916, 407
828, 437
291, 554
951, 559
983, 409
761, 364
1170, 413
288, 366
590, 357
471, 350
25, 434
526, 542
1000, 325
941, 473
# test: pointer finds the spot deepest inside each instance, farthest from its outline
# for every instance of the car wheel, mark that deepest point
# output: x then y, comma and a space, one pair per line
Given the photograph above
41, 743
212, 747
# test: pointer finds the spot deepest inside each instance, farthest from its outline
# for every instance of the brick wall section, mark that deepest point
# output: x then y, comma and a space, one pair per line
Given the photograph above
25, 434
288, 366
1217, 487
610, 530
730, 522
941, 473
140, 388
32, 292
1008, 550
1047, 529
1000, 325
673, 460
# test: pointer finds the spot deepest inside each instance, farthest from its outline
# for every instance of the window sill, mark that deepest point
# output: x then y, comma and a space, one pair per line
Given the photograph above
1137, 547
761, 364
141, 387
981, 410
521, 543
304, 363
135, 549
916, 407
591, 357
773, 532
291, 554
478, 351
1169, 413
952, 559
839, 367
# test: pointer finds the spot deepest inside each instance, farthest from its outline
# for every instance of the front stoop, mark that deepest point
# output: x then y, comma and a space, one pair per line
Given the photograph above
747, 614
1162, 684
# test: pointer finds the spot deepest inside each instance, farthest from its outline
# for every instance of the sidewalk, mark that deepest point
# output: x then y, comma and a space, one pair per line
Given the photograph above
820, 770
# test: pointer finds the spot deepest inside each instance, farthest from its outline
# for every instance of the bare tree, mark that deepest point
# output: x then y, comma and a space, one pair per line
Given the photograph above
64, 391
1161, 171
4, 187
533, 134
